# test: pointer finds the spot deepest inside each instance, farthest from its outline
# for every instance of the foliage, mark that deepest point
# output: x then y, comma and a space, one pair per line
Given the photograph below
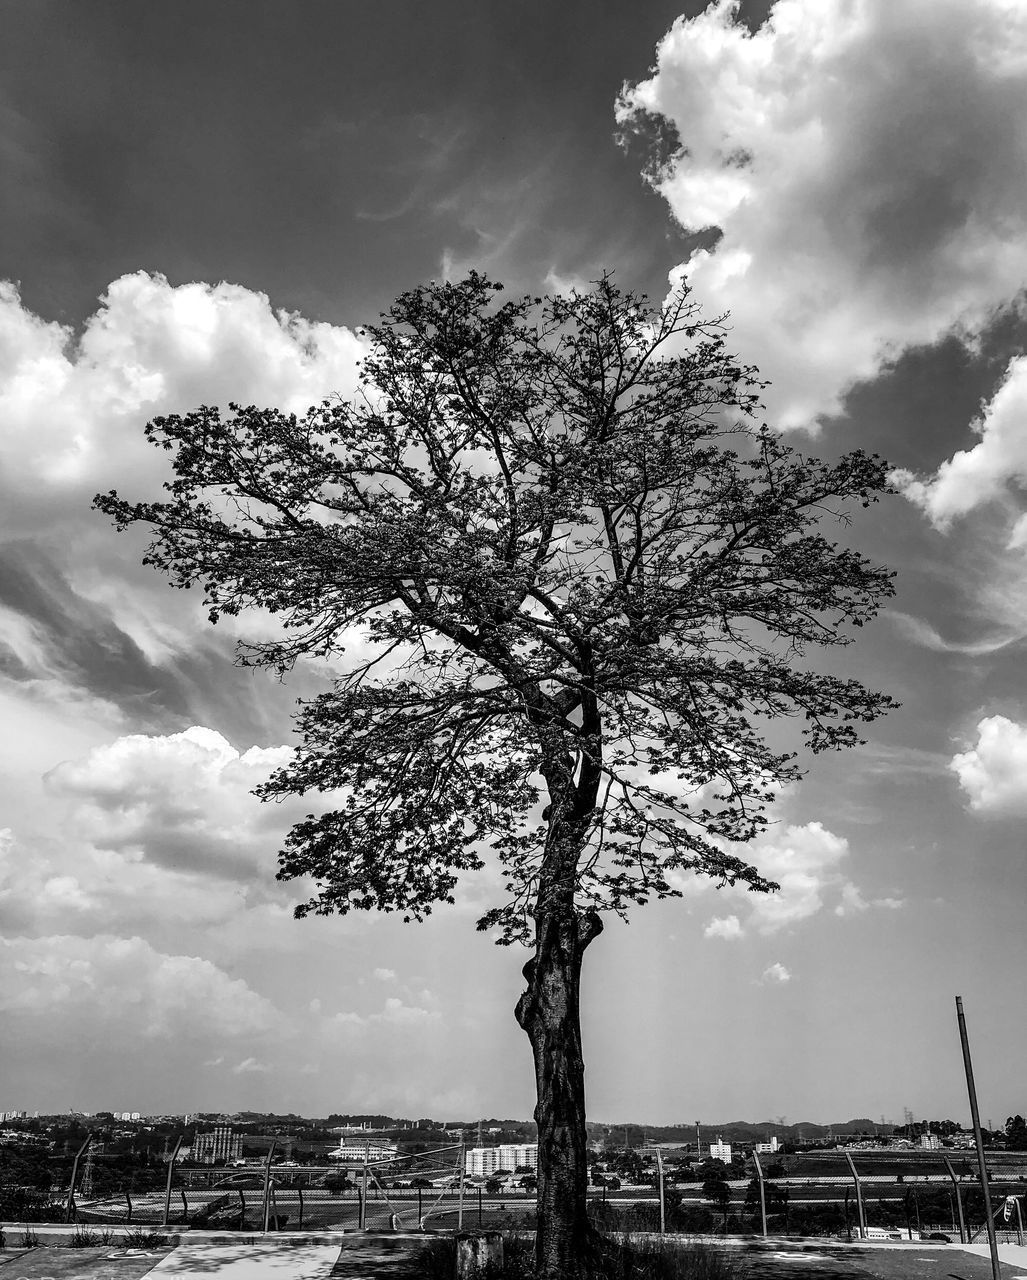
631, 1258
84, 1238
580, 566
29, 1239
1016, 1133
145, 1239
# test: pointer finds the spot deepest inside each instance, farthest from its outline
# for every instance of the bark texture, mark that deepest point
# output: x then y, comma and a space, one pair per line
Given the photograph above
567, 1247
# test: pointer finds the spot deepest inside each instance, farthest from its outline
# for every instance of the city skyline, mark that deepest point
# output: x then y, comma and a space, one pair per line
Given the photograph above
205, 205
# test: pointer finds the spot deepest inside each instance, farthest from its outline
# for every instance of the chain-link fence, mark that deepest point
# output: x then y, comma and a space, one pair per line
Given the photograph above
831, 1194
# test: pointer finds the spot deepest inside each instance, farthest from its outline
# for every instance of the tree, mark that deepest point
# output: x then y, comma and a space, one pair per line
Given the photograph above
1016, 1133
589, 582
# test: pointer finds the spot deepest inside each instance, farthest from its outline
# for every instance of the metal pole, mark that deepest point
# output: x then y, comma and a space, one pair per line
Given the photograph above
420, 1220
363, 1194
996, 1269
128, 1201
299, 1192
1019, 1222
171, 1174
460, 1208
859, 1199
959, 1200
70, 1207
663, 1206
479, 1206
267, 1180
763, 1198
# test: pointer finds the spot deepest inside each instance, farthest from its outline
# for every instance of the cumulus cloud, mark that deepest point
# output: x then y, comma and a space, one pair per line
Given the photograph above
179, 800
122, 988
73, 405
865, 166
725, 927
807, 861
775, 974
993, 772
981, 473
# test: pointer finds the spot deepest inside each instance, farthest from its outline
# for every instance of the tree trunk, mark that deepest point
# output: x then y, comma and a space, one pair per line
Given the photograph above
566, 1245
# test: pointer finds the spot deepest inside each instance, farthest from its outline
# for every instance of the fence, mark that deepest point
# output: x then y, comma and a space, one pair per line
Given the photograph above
837, 1194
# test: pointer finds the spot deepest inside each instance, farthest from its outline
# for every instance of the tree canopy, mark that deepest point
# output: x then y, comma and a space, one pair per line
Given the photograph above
588, 579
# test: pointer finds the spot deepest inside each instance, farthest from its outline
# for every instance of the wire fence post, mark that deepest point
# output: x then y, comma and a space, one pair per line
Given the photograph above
267, 1181
1019, 1221
69, 1208
763, 1196
363, 1194
663, 1202
996, 1267
299, 1192
128, 1201
959, 1200
460, 1206
859, 1198
171, 1174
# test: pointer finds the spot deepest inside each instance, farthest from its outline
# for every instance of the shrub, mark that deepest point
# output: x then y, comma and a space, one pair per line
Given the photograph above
29, 1239
628, 1259
141, 1239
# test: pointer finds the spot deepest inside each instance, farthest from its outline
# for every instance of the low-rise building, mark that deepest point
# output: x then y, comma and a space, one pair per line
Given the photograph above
218, 1147
481, 1162
720, 1150
364, 1150
767, 1148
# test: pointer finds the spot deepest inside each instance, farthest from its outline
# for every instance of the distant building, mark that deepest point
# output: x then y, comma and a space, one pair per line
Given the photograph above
720, 1150
766, 1148
127, 1115
930, 1142
363, 1149
482, 1162
218, 1147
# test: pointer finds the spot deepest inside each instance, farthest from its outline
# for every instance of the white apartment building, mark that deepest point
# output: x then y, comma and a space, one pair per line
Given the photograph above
767, 1148
482, 1162
221, 1145
363, 1149
720, 1150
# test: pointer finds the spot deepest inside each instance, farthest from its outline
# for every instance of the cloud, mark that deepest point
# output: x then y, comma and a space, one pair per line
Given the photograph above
73, 405
775, 973
122, 989
993, 772
384, 975
725, 927
923, 633
979, 475
180, 801
249, 1066
806, 860
81, 619
866, 168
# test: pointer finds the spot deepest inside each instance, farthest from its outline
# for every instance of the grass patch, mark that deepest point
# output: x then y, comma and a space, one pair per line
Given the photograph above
29, 1239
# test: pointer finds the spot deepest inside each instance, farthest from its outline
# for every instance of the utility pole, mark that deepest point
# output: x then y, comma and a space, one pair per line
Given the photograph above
698, 1144
975, 1116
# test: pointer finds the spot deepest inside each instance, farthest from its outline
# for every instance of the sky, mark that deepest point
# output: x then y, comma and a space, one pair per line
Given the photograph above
204, 203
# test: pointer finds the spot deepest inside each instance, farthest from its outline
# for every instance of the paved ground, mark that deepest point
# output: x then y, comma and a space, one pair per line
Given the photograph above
391, 1258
